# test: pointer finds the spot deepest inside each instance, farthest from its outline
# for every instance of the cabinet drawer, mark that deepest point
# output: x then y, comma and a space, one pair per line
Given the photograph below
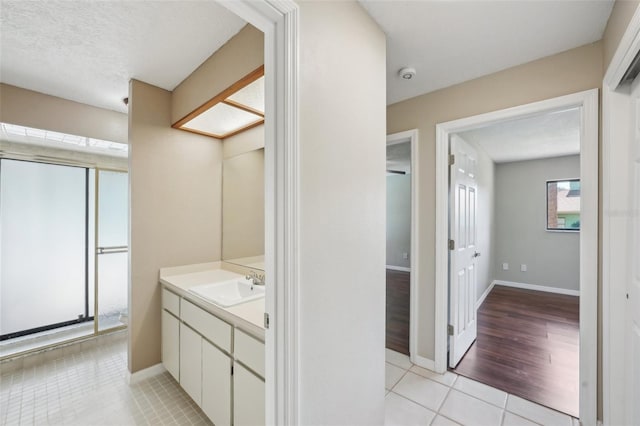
249, 351
212, 328
171, 302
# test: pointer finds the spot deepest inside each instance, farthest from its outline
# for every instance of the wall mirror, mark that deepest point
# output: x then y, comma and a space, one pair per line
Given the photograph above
243, 209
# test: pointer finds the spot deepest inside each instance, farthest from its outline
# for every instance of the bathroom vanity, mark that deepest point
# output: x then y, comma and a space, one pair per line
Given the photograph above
216, 353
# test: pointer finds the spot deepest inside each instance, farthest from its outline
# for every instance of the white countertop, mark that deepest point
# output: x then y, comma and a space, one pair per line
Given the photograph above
247, 316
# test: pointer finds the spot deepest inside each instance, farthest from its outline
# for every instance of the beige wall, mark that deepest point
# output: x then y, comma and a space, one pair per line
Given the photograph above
34, 109
175, 189
342, 215
568, 72
621, 15
238, 57
243, 205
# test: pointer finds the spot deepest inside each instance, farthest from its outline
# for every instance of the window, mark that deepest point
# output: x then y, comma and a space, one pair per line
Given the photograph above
563, 205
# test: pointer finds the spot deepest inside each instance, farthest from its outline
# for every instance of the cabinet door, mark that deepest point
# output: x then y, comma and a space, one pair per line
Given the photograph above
191, 363
248, 398
216, 384
171, 344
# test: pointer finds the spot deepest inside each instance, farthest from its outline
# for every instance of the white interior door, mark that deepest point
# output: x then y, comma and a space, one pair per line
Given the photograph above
463, 198
633, 292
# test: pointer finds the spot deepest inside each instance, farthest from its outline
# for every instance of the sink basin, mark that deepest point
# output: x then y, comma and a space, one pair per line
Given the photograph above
229, 293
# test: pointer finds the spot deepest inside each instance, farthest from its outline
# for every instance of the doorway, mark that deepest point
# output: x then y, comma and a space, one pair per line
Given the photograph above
587, 103
523, 254
402, 269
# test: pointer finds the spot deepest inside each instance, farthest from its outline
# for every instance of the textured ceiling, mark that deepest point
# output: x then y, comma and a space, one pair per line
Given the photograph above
449, 42
87, 51
548, 135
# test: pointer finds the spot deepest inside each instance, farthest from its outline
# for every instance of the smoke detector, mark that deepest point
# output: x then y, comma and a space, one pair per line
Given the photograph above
407, 73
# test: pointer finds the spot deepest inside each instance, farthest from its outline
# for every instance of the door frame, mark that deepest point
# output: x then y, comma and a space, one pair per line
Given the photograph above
411, 136
588, 100
279, 20
615, 226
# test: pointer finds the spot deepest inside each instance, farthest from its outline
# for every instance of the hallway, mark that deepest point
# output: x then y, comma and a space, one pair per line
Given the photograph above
416, 396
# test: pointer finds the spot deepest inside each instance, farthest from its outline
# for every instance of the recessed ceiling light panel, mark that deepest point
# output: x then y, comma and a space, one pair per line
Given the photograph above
221, 119
251, 95
238, 108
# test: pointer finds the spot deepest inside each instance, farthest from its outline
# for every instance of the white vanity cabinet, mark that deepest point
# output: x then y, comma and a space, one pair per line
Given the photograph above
171, 333
248, 380
220, 367
248, 397
216, 384
191, 363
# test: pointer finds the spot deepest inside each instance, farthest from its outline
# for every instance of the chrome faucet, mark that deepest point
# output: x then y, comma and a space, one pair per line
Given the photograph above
255, 278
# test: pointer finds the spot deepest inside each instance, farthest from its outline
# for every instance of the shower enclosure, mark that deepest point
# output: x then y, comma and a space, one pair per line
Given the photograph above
63, 250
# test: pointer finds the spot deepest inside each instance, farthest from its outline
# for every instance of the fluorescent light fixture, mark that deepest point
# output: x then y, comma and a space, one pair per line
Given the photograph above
251, 95
237, 108
222, 120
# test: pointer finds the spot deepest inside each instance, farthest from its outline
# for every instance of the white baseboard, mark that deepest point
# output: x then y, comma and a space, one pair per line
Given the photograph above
485, 294
141, 375
427, 363
399, 268
537, 287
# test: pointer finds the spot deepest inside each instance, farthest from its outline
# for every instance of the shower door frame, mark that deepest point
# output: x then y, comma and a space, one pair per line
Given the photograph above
102, 251
94, 317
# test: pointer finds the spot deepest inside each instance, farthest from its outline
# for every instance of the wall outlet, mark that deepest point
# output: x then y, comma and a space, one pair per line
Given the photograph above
523, 268
505, 266
405, 255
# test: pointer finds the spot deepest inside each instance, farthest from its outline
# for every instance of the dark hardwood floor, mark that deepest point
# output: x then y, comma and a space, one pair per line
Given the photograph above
398, 311
527, 345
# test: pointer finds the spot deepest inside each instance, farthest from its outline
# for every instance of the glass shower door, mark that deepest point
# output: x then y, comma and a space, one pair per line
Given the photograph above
112, 252
43, 247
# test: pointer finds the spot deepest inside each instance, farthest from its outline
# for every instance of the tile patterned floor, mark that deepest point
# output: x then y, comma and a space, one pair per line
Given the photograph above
86, 384
416, 396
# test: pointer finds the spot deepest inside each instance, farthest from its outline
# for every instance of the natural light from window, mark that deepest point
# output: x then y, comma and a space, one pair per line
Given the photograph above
30, 135
563, 205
